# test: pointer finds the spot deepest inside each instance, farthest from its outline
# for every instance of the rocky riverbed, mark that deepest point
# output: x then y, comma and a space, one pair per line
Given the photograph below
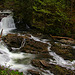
28, 44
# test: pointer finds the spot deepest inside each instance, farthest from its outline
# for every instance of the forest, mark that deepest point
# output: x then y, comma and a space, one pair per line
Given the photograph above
56, 17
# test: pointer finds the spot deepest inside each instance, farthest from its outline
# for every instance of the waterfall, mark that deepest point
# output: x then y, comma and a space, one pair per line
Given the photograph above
7, 24
8, 58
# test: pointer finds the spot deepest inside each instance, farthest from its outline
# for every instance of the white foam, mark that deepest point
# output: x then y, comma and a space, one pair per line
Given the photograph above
8, 59
35, 38
60, 61
7, 24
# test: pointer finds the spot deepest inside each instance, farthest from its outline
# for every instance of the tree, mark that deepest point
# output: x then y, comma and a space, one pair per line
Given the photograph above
22, 9
49, 16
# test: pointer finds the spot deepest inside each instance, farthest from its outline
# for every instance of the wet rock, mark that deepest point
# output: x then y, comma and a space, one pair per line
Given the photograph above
55, 69
44, 56
63, 46
33, 72
28, 45
64, 50
70, 42
64, 40
35, 47
13, 40
36, 63
44, 63
67, 54
58, 70
40, 63
66, 47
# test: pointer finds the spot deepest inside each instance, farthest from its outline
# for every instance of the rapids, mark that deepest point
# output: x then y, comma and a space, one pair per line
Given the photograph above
8, 59
58, 60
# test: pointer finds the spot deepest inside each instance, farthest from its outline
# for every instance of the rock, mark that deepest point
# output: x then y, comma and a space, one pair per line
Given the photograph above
65, 40
67, 54
34, 47
55, 69
44, 63
40, 63
43, 56
36, 63
32, 72
58, 70
63, 46
28, 45
13, 40
70, 42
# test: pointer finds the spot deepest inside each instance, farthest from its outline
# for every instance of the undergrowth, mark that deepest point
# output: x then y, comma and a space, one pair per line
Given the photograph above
7, 71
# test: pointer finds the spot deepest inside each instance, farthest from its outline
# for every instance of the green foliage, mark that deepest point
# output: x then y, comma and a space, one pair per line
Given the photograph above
7, 71
22, 9
49, 16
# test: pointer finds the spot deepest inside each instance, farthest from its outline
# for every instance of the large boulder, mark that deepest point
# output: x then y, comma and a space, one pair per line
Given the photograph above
12, 40
25, 43
63, 47
32, 46
67, 53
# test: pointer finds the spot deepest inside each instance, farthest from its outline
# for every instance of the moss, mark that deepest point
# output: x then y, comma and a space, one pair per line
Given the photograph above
65, 53
62, 71
55, 69
59, 69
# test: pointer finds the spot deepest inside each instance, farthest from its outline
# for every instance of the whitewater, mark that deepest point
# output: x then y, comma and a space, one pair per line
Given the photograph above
8, 59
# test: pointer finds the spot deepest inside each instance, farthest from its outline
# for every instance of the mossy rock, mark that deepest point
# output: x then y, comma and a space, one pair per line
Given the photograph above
67, 54
55, 69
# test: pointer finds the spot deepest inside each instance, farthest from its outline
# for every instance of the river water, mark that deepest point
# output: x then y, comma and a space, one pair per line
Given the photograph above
8, 59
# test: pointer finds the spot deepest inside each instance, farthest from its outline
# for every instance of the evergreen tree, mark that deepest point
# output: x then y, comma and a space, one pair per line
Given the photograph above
49, 16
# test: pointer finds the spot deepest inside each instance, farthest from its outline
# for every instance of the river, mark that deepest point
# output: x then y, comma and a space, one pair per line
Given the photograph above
8, 59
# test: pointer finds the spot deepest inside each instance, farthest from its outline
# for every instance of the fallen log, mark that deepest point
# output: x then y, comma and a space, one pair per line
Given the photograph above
59, 38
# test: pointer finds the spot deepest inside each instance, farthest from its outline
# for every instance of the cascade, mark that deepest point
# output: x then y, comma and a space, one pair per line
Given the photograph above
7, 23
8, 58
